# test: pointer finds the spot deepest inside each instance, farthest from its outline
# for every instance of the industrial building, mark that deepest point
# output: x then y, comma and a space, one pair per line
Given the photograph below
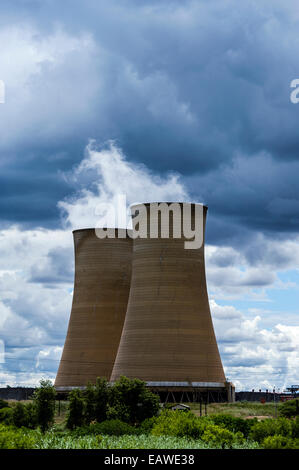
145, 317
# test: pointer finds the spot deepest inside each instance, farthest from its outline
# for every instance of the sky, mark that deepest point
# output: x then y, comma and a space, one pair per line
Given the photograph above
170, 100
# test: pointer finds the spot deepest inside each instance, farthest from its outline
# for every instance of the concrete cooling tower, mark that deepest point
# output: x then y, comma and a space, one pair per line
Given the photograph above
101, 291
168, 338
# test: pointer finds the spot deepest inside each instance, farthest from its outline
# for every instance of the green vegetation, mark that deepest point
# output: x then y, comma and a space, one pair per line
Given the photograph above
3, 404
126, 400
289, 408
186, 424
127, 415
96, 399
280, 442
113, 427
44, 404
234, 424
6, 415
14, 438
131, 402
75, 415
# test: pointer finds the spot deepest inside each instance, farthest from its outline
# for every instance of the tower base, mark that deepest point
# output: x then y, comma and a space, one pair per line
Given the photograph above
174, 392
194, 392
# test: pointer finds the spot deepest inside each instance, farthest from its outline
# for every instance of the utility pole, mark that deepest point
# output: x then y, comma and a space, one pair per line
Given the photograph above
275, 401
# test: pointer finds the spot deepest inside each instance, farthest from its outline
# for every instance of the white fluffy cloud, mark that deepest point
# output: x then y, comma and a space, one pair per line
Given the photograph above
255, 356
33, 312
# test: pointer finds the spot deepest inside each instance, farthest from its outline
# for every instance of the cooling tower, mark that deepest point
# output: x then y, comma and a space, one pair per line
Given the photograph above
168, 337
101, 290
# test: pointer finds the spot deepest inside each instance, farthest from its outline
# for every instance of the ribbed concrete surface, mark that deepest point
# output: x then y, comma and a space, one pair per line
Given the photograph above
168, 333
101, 290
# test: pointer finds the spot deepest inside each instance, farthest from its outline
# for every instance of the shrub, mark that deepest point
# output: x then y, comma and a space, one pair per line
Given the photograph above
44, 400
289, 408
19, 415
12, 438
32, 422
24, 415
6, 415
147, 425
234, 424
130, 401
75, 415
101, 399
127, 400
3, 404
271, 427
96, 400
280, 442
89, 399
216, 435
295, 428
113, 427
178, 424
175, 423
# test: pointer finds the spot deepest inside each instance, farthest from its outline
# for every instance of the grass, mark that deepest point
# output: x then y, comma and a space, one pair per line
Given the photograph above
239, 409
60, 415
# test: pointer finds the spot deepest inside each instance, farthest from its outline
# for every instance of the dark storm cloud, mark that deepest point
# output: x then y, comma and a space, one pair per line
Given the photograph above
201, 88
254, 192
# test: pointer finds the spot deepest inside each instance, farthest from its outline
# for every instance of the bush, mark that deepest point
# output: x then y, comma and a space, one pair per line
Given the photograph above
280, 442
32, 422
113, 427
216, 435
131, 402
147, 425
96, 401
19, 415
127, 400
75, 415
12, 438
234, 424
44, 400
295, 428
176, 423
101, 399
22, 415
3, 404
271, 427
6, 415
289, 408
89, 399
